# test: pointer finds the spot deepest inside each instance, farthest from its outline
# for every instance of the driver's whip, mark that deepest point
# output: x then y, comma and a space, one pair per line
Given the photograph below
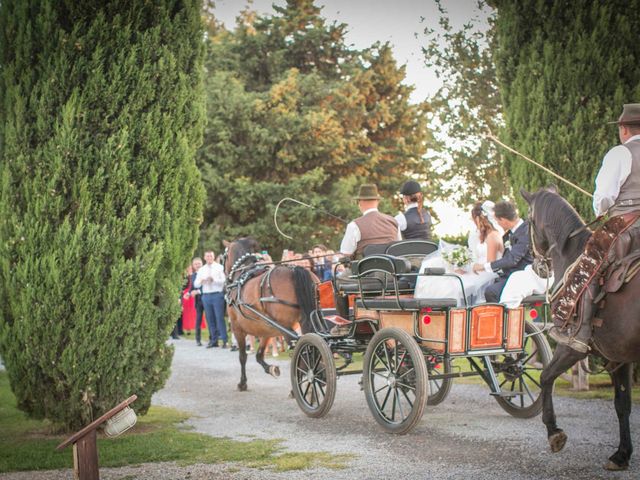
507, 147
289, 199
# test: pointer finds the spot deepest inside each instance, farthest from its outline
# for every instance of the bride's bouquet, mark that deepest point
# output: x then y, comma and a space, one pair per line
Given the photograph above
458, 256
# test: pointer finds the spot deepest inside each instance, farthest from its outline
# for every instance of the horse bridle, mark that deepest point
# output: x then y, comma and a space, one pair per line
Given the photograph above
543, 257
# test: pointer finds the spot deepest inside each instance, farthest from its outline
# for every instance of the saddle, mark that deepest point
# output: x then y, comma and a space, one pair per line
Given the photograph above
623, 262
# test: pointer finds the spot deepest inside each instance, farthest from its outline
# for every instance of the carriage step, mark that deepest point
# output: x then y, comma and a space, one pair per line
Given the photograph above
506, 394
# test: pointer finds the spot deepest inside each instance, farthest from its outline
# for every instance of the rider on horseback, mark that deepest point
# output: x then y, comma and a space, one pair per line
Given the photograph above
617, 194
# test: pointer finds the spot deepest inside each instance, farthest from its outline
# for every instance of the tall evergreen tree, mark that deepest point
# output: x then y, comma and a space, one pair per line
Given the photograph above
294, 112
466, 108
564, 69
101, 113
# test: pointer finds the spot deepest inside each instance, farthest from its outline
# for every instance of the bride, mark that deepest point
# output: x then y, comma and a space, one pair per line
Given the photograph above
486, 246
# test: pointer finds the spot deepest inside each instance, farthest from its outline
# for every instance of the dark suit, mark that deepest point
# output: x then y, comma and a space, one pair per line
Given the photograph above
515, 258
199, 309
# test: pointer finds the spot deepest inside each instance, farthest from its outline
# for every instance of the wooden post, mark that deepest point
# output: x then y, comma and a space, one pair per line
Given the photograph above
85, 457
85, 447
579, 377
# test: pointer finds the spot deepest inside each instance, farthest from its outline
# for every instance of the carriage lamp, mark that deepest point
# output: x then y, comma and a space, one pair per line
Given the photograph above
533, 313
120, 422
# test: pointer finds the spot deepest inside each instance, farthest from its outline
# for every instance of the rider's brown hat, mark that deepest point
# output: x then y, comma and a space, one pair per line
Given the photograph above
630, 115
368, 191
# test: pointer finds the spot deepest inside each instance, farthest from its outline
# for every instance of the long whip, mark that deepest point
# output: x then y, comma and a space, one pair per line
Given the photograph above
289, 199
550, 172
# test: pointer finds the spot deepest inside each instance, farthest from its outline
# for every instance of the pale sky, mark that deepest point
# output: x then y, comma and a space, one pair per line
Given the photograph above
401, 23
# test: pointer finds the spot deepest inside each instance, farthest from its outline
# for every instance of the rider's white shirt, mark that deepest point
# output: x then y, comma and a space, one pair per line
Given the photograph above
616, 167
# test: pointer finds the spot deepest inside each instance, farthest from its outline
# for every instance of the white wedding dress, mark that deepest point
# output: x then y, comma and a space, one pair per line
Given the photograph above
474, 284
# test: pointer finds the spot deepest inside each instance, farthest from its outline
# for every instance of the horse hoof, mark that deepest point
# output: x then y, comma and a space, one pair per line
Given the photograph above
614, 467
274, 371
242, 387
557, 441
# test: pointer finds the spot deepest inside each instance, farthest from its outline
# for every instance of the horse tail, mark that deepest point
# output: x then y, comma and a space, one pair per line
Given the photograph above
305, 289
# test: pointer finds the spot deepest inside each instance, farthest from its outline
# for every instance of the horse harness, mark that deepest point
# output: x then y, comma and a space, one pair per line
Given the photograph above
245, 268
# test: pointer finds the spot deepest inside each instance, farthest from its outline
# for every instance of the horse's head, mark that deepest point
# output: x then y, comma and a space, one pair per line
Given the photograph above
552, 222
236, 250
540, 243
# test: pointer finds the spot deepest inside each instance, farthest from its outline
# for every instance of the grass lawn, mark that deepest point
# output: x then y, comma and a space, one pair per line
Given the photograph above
27, 444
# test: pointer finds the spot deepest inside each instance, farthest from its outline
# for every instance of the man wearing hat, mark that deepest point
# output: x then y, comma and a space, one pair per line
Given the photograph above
414, 223
372, 227
617, 195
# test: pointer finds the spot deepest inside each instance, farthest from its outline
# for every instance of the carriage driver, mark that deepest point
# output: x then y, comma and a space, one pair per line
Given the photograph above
617, 194
372, 227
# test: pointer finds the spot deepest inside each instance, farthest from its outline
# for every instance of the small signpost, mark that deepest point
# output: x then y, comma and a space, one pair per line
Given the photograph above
85, 448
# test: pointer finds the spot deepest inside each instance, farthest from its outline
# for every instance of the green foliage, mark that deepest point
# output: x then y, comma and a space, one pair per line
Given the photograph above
294, 112
564, 69
100, 198
466, 108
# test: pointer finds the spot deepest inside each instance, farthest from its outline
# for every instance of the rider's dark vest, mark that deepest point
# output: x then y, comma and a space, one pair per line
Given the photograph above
375, 227
629, 197
417, 228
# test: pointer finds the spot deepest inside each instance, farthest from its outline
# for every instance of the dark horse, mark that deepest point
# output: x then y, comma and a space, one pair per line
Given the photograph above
261, 299
552, 222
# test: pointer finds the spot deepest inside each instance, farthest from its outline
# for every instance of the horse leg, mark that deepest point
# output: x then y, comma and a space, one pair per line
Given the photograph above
563, 358
242, 353
622, 383
272, 370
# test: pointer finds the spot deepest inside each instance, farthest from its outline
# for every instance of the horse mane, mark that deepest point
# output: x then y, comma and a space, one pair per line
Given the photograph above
559, 217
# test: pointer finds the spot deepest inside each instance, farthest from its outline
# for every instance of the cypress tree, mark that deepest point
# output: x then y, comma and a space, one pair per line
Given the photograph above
565, 68
100, 199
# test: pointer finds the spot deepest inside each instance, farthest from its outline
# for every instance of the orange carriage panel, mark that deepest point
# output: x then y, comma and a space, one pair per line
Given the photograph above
325, 295
487, 323
435, 329
515, 324
402, 320
457, 330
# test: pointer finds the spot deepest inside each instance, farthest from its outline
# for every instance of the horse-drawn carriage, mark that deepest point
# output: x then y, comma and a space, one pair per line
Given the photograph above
409, 344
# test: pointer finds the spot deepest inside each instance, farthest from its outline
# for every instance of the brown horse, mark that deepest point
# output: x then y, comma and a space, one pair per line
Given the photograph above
558, 232
265, 301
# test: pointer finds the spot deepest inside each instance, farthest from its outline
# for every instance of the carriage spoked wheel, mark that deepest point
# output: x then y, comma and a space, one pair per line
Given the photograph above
439, 388
519, 374
395, 380
313, 375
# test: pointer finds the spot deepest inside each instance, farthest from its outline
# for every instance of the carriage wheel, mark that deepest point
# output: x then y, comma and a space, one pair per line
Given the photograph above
439, 388
395, 380
313, 375
520, 373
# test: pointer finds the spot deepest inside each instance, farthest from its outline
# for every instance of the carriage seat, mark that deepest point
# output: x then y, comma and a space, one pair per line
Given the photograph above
402, 303
379, 275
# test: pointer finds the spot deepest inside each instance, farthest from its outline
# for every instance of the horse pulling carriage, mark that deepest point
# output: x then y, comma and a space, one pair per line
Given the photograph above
409, 344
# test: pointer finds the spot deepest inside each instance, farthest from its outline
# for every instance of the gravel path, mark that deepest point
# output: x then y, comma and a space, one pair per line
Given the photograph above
467, 436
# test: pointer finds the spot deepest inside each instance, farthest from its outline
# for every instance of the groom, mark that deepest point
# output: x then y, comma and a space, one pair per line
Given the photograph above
516, 252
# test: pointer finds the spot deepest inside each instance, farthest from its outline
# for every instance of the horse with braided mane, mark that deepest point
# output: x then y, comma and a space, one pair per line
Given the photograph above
558, 232
265, 301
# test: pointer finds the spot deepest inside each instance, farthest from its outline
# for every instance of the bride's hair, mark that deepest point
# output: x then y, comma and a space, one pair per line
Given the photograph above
484, 225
